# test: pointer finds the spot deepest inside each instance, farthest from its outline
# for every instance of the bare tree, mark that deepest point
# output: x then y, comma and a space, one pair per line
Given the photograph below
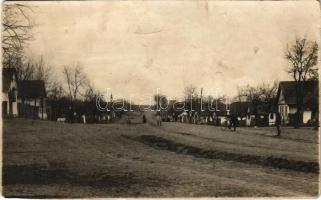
161, 101
90, 93
42, 71
303, 59
76, 81
16, 32
247, 93
55, 90
261, 97
268, 91
25, 71
263, 92
190, 92
34, 70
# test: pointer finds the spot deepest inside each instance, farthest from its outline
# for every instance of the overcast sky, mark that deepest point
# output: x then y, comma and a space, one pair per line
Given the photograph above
134, 47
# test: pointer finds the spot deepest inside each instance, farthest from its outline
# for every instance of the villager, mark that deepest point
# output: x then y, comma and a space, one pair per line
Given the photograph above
83, 117
234, 122
144, 119
158, 119
278, 124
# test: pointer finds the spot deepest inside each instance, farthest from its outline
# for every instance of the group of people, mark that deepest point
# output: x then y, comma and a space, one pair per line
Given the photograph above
74, 118
232, 121
158, 119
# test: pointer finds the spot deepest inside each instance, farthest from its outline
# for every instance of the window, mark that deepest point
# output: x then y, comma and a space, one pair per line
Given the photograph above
286, 110
271, 116
281, 110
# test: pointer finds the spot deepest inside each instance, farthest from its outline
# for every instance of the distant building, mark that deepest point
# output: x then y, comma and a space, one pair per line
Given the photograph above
255, 113
287, 103
221, 110
32, 99
244, 110
266, 112
9, 92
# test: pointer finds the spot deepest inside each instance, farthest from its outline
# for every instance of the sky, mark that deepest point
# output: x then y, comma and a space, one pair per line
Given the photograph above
135, 47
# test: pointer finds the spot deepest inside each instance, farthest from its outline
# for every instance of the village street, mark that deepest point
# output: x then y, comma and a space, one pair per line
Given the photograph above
50, 159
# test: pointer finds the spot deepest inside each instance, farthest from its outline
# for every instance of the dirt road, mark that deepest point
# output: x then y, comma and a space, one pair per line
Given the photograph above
47, 159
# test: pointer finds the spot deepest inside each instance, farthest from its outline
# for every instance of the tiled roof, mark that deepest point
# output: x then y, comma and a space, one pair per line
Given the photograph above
7, 76
31, 89
310, 93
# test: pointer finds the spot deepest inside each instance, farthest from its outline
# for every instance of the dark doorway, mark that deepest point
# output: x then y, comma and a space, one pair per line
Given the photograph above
4, 109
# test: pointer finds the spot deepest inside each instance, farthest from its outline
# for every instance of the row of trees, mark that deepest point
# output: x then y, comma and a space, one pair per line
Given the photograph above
302, 57
74, 88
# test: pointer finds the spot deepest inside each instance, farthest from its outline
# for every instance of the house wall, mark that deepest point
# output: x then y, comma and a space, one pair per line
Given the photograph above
307, 115
248, 120
32, 102
292, 109
5, 105
5, 98
42, 115
272, 119
36, 103
284, 112
222, 120
15, 109
14, 105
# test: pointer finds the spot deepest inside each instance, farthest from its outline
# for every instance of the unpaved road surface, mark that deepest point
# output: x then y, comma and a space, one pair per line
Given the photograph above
47, 159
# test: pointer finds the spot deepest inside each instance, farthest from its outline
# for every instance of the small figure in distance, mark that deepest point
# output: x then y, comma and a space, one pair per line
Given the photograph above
144, 119
234, 121
278, 124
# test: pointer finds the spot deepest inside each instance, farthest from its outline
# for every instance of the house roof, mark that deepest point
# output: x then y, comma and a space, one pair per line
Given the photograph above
220, 108
266, 107
241, 108
31, 89
310, 93
7, 77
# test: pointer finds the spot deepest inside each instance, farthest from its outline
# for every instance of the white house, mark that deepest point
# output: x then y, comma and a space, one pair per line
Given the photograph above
287, 104
32, 99
9, 92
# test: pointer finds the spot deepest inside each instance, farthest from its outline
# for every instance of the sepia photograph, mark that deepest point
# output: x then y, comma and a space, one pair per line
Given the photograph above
160, 99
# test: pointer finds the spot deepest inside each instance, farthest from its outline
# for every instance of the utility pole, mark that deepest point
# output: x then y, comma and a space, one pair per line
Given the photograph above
227, 102
42, 107
201, 100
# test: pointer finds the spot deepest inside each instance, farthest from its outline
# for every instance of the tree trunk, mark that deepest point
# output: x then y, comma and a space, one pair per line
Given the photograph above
299, 102
35, 109
42, 102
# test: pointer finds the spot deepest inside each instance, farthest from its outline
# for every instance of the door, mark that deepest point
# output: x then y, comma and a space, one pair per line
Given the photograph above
10, 108
307, 115
4, 109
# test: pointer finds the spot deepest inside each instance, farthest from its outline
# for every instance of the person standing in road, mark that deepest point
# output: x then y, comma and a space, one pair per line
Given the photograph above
144, 119
83, 117
158, 119
234, 122
278, 124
